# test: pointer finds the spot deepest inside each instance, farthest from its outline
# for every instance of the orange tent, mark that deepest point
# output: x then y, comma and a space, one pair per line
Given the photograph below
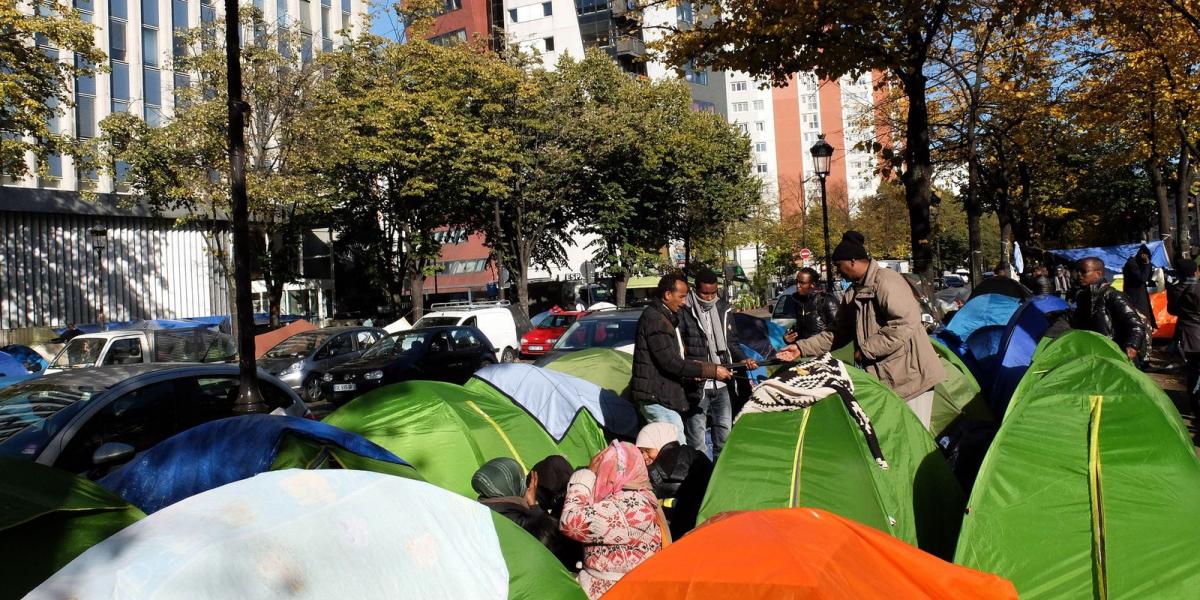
1165, 320
800, 553
268, 340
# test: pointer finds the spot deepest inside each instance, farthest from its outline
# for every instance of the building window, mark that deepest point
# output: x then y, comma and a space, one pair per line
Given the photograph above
548, 44
150, 47
87, 7
85, 116
152, 86
281, 10
179, 27
116, 40
150, 13
120, 87
692, 75
742, 128
758, 105
458, 36
521, 14
738, 86
596, 33
810, 137
760, 146
452, 5
547, 9
118, 9
54, 166
760, 168
760, 126
741, 106
809, 119
326, 21
587, 7
182, 81
809, 101
683, 12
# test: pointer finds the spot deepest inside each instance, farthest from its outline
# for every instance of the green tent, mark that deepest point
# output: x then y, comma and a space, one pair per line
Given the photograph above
47, 518
817, 457
959, 394
445, 430
605, 367
1089, 489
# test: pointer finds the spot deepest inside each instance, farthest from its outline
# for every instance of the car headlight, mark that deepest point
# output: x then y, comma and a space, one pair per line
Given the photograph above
327, 377
524, 341
373, 375
551, 340
292, 368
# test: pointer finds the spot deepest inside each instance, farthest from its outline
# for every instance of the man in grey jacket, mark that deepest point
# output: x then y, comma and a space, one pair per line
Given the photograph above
881, 317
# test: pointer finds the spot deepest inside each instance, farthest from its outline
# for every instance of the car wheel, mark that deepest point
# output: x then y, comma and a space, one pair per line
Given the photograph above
508, 355
312, 389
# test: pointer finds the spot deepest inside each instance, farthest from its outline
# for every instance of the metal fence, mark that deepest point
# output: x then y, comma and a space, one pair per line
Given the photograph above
51, 275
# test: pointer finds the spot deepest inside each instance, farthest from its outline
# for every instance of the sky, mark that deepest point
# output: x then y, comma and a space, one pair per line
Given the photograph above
384, 21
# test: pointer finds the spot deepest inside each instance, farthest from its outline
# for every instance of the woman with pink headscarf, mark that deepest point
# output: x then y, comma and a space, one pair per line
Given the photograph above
611, 509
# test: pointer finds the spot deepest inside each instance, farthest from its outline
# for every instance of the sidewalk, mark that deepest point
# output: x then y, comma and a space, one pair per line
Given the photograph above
1167, 372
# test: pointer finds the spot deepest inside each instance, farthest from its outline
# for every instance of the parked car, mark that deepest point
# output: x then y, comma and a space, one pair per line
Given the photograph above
446, 353
300, 360
501, 322
613, 328
546, 332
138, 346
87, 421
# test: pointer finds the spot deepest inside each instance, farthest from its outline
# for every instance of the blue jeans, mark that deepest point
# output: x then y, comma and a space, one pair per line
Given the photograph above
715, 412
657, 413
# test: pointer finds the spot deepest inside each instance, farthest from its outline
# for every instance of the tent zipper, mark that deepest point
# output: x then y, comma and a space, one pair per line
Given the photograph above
1095, 487
797, 459
507, 442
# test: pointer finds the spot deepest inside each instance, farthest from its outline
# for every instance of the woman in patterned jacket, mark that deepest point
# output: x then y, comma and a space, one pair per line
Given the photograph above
611, 509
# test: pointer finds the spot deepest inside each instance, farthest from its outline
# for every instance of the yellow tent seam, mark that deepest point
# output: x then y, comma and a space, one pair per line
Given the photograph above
503, 436
797, 458
1096, 406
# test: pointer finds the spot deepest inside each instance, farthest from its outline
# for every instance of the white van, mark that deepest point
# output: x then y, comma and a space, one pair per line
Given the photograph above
500, 321
136, 346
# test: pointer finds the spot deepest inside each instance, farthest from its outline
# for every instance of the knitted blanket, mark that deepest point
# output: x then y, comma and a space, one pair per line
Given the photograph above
804, 384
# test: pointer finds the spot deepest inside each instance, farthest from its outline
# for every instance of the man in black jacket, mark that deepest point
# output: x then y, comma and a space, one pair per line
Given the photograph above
659, 365
1183, 301
1139, 274
709, 335
1100, 308
816, 310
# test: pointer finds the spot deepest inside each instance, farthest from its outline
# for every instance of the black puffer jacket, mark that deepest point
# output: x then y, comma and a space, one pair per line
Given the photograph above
815, 313
659, 368
1183, 301
680, 477
695, 343
1106, 311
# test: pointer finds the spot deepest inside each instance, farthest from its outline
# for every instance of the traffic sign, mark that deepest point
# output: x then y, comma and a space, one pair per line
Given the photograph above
805, 254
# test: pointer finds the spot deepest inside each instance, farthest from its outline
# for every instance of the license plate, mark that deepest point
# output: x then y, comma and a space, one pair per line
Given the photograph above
344, 387
536, 348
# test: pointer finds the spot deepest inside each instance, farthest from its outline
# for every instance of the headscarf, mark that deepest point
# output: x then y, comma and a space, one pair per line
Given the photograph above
498, 478
656, 435
619, 467
553, 474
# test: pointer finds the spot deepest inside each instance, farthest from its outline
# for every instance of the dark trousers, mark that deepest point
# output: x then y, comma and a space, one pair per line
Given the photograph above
1192, 369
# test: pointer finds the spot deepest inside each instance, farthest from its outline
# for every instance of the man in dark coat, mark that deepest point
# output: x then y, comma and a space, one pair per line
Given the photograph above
1138, 274
1100, 308
1183, 301
816, 310
659, 365
709, 335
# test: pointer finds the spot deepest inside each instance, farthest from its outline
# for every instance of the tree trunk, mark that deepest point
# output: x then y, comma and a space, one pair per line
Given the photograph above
1159, 188
1183, 227
499, 250
416, 290
620, 284
524, 257
918, 169
1023, 229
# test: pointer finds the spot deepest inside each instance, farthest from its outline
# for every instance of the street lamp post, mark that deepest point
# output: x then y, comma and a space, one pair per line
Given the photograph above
99, 238
822, 153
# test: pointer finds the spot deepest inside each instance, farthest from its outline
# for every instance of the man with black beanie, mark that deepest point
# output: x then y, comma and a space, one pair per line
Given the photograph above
1183, 301
881, 317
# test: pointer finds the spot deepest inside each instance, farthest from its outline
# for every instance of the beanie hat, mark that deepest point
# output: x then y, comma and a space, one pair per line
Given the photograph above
852, 247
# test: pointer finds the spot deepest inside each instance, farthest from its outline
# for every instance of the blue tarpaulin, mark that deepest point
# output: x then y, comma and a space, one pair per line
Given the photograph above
1114, 257
220, 452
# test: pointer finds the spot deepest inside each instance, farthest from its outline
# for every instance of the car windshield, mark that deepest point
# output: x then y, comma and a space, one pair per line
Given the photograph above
784, 307
301, 344
435, 322
557, 321
598, 333
79, 352
400, 343
31, 413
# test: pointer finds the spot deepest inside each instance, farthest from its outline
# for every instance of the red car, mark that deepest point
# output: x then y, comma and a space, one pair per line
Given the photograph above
541, 338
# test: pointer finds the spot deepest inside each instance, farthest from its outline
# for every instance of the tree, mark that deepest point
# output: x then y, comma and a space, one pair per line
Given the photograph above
775, 40
35, 84
419, 147
184, 165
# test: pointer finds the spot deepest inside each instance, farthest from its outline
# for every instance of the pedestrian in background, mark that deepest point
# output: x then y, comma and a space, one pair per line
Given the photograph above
1183, 301
1062, 282
1138, 274
816, 310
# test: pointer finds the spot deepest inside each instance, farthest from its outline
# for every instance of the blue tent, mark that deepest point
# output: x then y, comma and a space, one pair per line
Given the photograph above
160, 324
1114, 257
554, 398
988, 310
220, 452
1024, 331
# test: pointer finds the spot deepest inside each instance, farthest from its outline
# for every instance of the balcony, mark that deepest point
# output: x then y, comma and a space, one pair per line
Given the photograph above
628, 45
623, 8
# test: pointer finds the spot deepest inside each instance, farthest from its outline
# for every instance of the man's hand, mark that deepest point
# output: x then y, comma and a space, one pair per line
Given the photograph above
750, 363
789, 354
790, 336
1132, 353
724, 374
